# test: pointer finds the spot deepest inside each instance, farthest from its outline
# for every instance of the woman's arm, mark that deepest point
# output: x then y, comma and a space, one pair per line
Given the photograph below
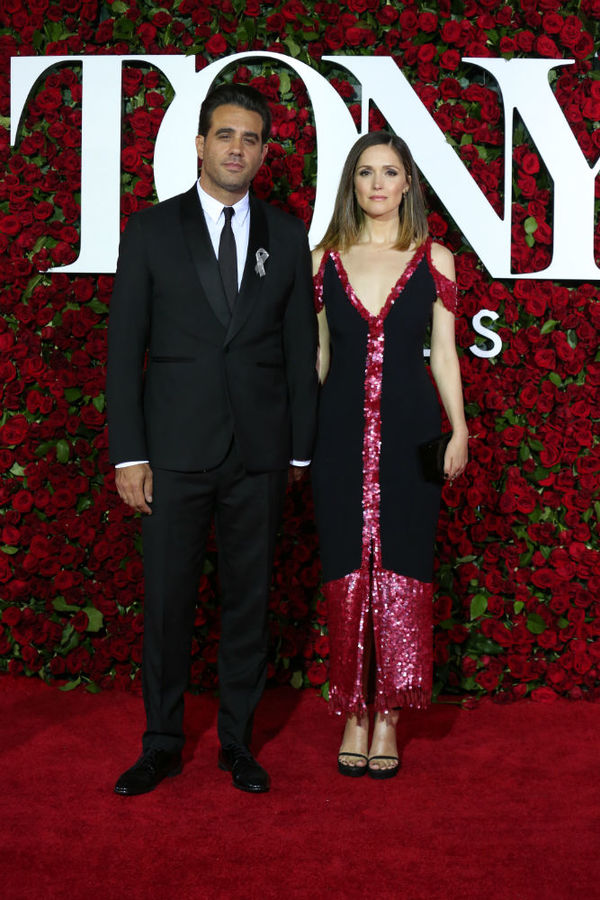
323, 352
446, 370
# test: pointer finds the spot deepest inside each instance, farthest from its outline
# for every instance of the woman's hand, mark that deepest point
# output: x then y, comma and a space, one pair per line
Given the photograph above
457, 455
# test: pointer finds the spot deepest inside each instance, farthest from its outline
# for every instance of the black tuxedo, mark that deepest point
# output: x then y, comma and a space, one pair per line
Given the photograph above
219, 403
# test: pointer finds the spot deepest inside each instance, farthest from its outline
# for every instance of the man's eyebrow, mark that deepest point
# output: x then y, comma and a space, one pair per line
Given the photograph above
225, 130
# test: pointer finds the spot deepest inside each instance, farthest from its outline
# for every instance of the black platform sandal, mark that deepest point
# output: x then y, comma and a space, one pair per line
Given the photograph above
390, 772
351, 770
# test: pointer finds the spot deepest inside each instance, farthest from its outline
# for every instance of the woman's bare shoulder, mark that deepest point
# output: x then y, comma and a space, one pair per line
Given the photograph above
443, 260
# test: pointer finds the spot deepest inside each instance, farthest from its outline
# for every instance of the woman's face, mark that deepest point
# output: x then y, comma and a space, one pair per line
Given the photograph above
380, 182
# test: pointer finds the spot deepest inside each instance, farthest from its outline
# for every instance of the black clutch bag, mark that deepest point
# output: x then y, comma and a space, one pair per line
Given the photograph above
431, 455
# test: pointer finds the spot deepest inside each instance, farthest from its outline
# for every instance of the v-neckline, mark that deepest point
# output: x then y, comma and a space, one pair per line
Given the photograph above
396, 290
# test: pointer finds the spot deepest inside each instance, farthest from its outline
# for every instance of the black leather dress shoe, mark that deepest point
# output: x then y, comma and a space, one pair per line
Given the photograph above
246, 773
148, 772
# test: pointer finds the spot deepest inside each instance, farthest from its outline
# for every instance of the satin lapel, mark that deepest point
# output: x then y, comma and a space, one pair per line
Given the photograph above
252, 282
202, 253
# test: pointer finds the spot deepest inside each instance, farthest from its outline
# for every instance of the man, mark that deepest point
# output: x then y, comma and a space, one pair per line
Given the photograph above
211, 390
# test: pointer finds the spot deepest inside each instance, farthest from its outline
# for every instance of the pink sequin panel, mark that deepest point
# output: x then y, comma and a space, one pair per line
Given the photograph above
401, 610
318, 284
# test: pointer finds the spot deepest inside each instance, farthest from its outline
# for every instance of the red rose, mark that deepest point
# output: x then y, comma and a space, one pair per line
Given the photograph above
450, 59
11, 616
317, 674
530, 163
487, 680
427, 22
543, 695
15, 431
426, 53
216, 45
130, 159
545, 46
583, 47
552, 23
386, 15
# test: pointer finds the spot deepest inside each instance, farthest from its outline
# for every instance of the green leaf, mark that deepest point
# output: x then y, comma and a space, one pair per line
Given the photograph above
99, 402
96, 619
535, 623
43, 448
478, 644
33, 282
478, 606
70, 639
548, 326
562, 622
92, 688
529, 240
530, 225
17, 470
9, 550
297, 680
123, 29
72, 394
63, 450
285, 83
70, 685
292, 46
518, 606
61, 605
524, 452
555, 378
97, 306
325, 691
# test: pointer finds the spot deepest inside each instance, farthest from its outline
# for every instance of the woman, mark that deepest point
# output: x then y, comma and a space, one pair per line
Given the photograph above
378, 280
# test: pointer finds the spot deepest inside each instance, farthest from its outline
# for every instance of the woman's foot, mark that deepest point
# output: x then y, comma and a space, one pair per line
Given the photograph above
383, 755
352, 758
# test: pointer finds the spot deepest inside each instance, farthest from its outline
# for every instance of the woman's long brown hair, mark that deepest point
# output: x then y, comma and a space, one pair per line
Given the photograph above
348, 218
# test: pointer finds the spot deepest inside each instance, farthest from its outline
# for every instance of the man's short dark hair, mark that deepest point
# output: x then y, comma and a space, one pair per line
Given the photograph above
235, 95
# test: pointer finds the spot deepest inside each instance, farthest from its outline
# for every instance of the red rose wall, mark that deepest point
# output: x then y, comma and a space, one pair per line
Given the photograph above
517, 605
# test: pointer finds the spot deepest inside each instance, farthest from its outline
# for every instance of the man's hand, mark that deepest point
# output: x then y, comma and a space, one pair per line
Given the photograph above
296, 473
134, 484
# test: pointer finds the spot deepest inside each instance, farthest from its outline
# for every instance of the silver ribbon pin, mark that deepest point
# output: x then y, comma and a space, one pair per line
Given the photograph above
261, 258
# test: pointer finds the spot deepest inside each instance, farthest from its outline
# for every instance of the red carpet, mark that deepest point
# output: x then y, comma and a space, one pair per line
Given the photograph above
497, 802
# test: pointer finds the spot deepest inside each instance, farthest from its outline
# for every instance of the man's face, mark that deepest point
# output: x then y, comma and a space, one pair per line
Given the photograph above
232, 153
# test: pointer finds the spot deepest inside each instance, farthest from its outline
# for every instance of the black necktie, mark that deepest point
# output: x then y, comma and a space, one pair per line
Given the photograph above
228, 258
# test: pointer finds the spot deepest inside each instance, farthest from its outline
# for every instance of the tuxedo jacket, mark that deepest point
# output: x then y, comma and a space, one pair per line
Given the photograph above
185, 374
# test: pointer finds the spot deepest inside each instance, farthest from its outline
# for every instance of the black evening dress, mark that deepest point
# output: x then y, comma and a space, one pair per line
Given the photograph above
376, 515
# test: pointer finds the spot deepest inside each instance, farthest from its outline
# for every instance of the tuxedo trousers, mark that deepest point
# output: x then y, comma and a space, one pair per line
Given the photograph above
247, 512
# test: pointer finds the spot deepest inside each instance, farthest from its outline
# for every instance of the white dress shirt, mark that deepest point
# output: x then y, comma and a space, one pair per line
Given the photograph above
240, 225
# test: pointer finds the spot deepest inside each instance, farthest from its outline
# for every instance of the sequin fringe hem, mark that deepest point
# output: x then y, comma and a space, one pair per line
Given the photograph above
338, 706
411, 698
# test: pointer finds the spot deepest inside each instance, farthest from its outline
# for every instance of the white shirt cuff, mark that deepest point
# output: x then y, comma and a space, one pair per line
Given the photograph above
136, 462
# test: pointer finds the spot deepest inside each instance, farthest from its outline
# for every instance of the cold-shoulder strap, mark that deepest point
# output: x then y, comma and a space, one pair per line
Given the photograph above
318, 283
444, 286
